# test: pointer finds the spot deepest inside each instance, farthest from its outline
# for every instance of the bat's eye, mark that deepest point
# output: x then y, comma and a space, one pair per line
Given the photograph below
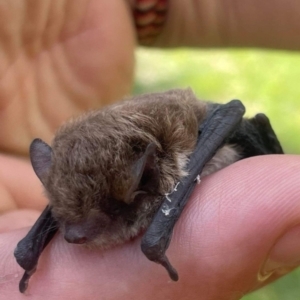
137, 194
114, 207
115, 211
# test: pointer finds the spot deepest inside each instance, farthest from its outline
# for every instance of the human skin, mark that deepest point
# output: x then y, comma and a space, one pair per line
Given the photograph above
58, 59
86, 60
232, 23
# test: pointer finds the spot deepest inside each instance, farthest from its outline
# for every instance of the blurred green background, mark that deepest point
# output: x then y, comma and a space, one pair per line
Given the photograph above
265, 81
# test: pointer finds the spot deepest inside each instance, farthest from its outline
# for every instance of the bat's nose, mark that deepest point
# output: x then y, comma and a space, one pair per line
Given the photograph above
75, 235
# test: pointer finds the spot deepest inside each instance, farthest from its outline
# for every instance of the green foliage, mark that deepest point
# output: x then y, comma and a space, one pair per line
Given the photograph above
265, 81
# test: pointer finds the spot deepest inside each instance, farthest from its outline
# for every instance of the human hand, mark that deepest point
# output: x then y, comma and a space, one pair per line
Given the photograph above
219, 23
58, 59
236, 220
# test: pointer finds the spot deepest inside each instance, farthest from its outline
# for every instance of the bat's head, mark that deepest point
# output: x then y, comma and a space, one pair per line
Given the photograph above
105, 172
101, 191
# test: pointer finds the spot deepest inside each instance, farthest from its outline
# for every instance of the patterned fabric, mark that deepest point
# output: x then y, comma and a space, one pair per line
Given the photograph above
149, 17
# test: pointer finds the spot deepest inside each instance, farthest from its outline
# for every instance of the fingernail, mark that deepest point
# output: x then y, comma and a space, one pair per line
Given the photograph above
284, 256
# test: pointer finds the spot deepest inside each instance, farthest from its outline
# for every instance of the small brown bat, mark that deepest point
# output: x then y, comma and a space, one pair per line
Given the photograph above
129, 168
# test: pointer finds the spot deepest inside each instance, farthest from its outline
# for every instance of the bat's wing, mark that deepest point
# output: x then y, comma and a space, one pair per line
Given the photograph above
256, 136
221, 121
29, 249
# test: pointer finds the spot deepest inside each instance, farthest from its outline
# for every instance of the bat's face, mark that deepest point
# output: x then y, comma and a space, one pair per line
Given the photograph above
99, 199
97, 207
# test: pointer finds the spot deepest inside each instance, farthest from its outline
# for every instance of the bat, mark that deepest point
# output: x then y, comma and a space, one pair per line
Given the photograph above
130, 168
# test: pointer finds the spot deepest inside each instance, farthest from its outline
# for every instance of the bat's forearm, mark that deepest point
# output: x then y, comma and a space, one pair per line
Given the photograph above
29, 249
214, 131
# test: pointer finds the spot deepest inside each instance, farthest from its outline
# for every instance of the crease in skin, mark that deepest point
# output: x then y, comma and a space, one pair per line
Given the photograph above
89, 82
263, 275
49, 22
283, 257
67, 14
277, 271
10, 44
10, 23
48, 77
73, 18
66, 82
33, 27
55, 23
70, 81
52, 61
25, 29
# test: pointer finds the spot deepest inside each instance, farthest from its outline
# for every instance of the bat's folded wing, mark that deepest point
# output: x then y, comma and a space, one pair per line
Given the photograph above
214, 131
29, 249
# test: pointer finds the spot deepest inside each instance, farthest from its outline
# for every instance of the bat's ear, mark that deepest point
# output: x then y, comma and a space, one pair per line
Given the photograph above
40, 156
145, 173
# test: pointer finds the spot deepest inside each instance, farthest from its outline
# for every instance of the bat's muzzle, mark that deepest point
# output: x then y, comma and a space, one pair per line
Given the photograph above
75, 234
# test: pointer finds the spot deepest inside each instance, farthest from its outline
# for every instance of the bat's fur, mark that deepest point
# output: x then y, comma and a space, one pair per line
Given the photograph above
93, 156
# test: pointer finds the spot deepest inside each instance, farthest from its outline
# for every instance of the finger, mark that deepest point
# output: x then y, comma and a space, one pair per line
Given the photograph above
220, 246
18, 219
240, 217
21, 186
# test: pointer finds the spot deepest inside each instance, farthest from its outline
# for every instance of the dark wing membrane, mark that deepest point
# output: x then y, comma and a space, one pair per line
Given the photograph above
30, 248
256, 136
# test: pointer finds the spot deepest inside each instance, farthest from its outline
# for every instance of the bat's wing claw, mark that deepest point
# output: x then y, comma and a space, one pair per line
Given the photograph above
24, 281
155, 254
29, 249
171, 270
